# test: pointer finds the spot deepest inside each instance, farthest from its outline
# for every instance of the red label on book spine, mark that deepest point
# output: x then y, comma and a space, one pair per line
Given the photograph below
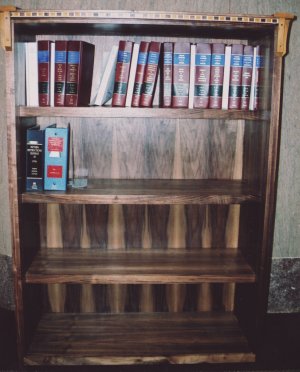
60, 69
122, 73
140, 71
216, 76
44, 57
202, 75
167, 75
235, 81
150, 75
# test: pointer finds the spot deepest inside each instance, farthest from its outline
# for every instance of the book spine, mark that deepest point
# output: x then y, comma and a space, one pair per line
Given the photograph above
132, 73
226, 77
150, 75
44, 56
167, 75
34, 160
258, 84
202, 75
61, 49
246, 76
139, 75
236, 67
216, 76
73, 73
122, 73
181, 74
56, 158
86, 69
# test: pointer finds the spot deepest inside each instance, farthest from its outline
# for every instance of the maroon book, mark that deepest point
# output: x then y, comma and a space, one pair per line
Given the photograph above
202, 75
122, 73
235, 80
247, 76
44, 58
216, 75
139, 74
150, 75
181, 74
79, 75
60, 70
166, 75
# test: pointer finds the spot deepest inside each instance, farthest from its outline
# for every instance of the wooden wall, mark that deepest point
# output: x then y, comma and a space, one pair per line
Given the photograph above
287, 232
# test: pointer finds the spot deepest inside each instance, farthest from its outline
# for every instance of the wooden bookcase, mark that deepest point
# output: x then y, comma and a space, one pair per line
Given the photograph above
166, 255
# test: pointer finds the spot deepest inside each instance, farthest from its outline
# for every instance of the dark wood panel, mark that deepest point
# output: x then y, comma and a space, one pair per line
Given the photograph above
139, 266
138, 338
151, 192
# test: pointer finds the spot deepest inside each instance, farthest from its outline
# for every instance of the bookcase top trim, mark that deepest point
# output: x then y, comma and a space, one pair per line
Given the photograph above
173, 16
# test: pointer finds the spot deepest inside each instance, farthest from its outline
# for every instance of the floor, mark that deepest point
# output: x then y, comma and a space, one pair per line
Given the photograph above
280, 350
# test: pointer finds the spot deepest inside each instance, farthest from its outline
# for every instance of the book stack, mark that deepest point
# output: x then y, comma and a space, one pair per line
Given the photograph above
201, 75
59, 73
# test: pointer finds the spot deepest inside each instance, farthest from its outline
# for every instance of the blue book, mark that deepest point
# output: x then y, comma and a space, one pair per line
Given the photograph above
56, 158
34, 159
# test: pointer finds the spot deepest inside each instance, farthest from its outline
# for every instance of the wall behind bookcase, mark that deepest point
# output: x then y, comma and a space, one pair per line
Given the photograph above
286, 253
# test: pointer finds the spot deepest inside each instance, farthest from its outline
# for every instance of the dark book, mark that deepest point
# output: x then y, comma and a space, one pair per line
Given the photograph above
235, 81
122, 73
150, 75
246, 76
56, 158
216, 75
44, 65
202, 75
259, 77
35, 159
139, 74
80, 64
181, 74
166, 75
60, 72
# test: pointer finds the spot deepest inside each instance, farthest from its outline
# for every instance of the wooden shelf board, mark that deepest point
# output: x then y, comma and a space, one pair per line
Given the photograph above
151, 266
149, 191
136, 338
129, 112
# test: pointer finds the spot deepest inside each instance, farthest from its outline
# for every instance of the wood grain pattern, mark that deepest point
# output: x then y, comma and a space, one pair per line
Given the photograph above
152, 192
137, 339
139, 266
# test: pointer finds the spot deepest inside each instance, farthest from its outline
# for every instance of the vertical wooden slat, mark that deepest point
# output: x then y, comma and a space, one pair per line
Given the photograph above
56, 292
176, 232
116, 233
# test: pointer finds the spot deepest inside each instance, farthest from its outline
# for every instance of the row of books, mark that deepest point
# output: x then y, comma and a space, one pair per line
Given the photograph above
47, 153
202, 75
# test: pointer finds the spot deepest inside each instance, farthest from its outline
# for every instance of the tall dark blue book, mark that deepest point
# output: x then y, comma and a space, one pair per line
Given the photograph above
35, 143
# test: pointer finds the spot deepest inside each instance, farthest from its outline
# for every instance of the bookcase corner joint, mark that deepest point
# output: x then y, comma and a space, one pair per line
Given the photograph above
5, 29
282, 35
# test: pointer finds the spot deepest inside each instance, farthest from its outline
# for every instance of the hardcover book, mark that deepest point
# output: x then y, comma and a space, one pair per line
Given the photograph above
31, 74
80, 64
56, 158
132, 74
258, 82
216, 75
247, 76
226, 77
166, 75
60, 72
139, 74
122, 73
202, 75
44, 65
236, 67
150, 75
181, 74
105, 90
35, 159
